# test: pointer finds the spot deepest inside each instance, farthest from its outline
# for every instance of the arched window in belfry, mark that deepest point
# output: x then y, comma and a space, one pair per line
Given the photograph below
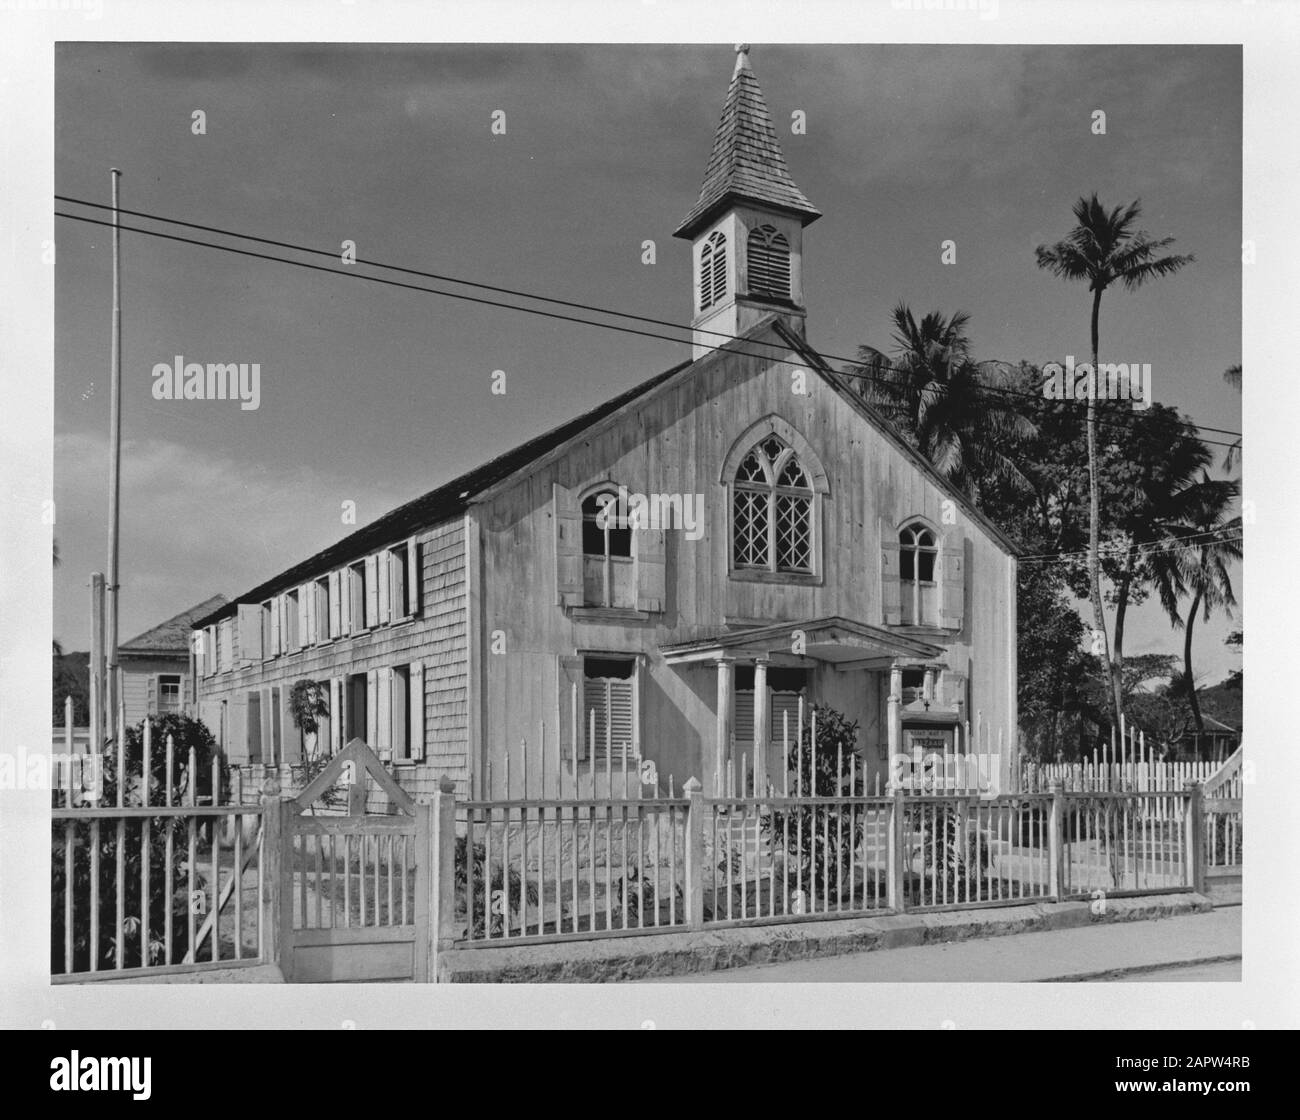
768, 260
772, 511
713, 270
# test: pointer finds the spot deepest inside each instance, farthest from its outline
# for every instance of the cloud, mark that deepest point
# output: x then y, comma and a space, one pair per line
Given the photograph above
194, 523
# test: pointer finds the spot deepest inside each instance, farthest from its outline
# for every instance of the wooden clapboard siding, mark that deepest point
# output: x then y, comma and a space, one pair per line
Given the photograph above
675, 441
138, 675
435, 637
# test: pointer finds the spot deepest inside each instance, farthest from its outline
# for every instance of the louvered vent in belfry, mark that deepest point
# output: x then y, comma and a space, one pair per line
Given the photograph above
769, 263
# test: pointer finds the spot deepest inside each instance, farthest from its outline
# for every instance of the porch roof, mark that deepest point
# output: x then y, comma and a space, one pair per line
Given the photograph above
835, 639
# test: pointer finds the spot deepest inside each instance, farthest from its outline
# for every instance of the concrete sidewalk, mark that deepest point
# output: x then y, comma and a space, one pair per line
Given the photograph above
1104, 951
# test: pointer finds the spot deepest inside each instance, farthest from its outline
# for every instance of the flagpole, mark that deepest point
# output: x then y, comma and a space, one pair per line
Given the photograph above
114, 456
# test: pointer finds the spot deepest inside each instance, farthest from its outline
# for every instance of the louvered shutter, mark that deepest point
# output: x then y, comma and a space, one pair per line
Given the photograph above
372, 708
742, 725
568, 547
891, 603
415, 719
383, 586
651, 569
953, 603
413, 574
187, 692
237, 746
569, 688
372, 591
250, 633
277, 616
304, 630
768, 263
213, 653
610, 701
152, 707
784, 704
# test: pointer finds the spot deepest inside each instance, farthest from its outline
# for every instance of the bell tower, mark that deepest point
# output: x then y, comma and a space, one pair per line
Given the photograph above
746, 227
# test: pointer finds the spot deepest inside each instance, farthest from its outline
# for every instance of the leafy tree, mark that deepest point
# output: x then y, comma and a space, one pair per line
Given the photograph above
309, 704
1104, 249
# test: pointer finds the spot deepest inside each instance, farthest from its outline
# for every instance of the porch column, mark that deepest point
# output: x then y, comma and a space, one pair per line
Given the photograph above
761, 721
892, 710
726, 686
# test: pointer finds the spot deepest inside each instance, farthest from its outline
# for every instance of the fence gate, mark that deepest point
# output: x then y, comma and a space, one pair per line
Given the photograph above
354, 889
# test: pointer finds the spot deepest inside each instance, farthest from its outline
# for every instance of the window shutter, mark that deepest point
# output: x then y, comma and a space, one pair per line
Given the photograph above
383, 586
568, 547
347, 581
267, 729
309, 634
236, 745
570, 719
397, 583
413, 573
336, 606
290, 736
891, 604
336, 715
304, 637
611, 702
415, 719
250, 633
742, 719
782, 704
650, 569
187, 692
372, 592
153, 694
197, 643
372, 708
384, 712
953, 609
277, 645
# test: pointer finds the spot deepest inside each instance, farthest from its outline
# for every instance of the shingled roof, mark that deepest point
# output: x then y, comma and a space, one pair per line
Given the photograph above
172, 636
447, 501
746, 163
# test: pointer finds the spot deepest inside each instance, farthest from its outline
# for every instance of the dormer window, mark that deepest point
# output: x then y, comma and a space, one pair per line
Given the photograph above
713, 270
769, 263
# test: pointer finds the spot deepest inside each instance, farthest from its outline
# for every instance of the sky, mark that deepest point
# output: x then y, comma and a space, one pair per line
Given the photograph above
373, 395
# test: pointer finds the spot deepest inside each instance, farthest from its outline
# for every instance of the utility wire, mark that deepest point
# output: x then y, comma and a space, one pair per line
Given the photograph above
1115, 421
522, 294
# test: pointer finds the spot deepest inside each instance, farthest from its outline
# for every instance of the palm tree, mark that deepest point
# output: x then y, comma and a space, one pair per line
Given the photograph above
1212, 541
1103, 249
940, 400
1232, 375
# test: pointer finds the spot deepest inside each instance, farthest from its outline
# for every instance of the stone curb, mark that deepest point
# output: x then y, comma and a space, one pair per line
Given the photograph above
614, 959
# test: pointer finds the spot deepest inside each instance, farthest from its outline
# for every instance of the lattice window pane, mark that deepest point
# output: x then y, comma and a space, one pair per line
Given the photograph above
749, 529
793, 533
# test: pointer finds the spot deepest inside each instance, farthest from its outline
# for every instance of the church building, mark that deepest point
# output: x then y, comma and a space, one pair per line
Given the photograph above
657, 582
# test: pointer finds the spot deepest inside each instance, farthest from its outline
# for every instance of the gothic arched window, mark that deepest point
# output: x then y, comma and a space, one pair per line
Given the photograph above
769, 263
772, 511
713, 270
918, 553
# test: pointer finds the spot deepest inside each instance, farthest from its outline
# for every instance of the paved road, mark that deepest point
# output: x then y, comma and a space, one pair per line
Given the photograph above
1100, 951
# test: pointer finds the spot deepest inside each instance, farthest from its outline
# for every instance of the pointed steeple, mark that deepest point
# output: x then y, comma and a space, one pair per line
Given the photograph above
746, 163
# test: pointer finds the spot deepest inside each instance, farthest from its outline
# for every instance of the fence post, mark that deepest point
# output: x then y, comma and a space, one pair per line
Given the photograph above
1056, 840
1196, 835
442, 872
694, 845
896, 853
272, 874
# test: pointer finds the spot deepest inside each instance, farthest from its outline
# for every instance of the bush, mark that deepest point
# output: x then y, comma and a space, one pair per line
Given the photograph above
186, 733
476, 912
823, 860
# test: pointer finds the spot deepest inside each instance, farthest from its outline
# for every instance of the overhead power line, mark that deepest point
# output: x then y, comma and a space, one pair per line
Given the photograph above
988, 390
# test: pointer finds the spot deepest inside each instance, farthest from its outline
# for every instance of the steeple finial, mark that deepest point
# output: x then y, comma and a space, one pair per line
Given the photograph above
742, 58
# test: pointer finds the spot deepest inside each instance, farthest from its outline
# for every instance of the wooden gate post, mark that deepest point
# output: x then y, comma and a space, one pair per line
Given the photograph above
442, 872
694, 851
1056, 840
1196, 836
272, 877
896, 852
